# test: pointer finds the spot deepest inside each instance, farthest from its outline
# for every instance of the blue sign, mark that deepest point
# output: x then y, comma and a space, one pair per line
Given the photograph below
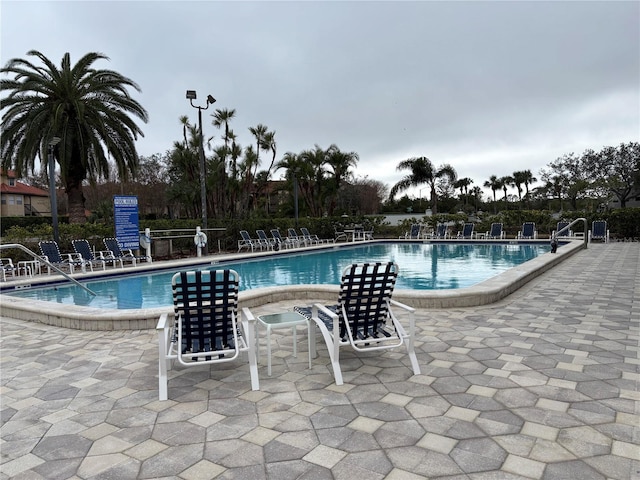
125, 213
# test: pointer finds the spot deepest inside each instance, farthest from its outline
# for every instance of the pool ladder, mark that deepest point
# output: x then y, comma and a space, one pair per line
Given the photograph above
554, 235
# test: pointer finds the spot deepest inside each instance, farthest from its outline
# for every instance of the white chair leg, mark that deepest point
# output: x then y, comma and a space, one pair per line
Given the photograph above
250, 322
163, 387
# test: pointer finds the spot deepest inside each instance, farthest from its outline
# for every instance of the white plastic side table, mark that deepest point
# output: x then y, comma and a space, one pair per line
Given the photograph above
282, 320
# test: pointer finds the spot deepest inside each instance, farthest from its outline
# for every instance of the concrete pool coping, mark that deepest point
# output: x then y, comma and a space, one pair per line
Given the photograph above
88, 318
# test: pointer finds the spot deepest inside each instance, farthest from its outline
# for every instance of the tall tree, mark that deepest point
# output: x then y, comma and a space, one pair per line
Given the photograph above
463, 184
422, 171
505, 182
259, 132
615, 169
90, 110
517, 180
221, 118
339, 164
494, 184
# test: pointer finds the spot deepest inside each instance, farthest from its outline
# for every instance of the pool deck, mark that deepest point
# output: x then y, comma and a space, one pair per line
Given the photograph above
91, 318
543, 384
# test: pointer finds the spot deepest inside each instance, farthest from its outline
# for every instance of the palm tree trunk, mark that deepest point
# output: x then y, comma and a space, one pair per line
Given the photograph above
75, 198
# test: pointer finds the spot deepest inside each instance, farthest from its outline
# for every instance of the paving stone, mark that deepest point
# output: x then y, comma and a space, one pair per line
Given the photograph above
542, 384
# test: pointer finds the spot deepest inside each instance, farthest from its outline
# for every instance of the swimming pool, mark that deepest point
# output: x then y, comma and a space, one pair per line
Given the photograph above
422, 267
98, 318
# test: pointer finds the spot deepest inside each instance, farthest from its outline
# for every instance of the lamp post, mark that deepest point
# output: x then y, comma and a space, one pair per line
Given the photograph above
191, 95
52, 188
295, 195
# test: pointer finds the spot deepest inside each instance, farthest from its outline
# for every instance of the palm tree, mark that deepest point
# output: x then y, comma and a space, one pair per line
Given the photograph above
259, 132
518, 179
494, 184
528, 179
463, 185
422, 171
504, 184
222, 117
89, 110
339, 163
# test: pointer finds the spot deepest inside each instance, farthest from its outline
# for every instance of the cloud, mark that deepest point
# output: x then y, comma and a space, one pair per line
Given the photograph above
488, 87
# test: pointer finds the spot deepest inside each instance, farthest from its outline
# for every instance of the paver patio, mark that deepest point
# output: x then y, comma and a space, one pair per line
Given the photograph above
542, 385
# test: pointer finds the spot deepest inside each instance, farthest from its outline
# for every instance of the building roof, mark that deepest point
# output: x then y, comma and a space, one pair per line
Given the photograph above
22, 189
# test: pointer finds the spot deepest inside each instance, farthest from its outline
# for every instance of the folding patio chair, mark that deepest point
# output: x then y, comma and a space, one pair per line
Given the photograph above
562, 230
363, 317
495, 232
247, 242
280, 242
264, 241
83, 249
467, 231
68, 261
7, 268
294, 238
113, 249
599, 231
312, 238
528, 231
441, 232
205, 328
413, 233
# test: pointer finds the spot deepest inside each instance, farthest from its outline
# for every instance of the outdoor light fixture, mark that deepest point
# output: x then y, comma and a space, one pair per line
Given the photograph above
191, 96
52, 188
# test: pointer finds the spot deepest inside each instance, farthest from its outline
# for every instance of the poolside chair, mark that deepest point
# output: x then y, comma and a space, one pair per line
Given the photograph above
280, 242
528, 231
7, 268
264, 241
113, 249
562, 230
296, 239
599, 231
467, 231
68, 261
247, 242
339, 234
83, 249
363, 317
314, 238
413, 233
441, 232
495, 232
205, 328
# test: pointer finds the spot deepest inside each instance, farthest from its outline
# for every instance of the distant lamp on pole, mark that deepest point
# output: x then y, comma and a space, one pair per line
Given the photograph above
52, 188
191, 96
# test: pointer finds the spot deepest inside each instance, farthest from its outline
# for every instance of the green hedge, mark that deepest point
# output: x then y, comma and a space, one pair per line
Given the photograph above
624, 224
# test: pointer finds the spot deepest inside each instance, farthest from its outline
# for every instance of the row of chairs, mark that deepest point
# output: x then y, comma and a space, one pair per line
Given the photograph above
364, 318
83, 259
418, 231
599, 231
277, 241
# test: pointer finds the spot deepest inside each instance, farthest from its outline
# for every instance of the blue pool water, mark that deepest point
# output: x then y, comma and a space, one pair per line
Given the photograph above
422, 267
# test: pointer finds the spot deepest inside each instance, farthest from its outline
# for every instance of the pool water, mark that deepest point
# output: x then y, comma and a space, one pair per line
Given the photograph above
422, 267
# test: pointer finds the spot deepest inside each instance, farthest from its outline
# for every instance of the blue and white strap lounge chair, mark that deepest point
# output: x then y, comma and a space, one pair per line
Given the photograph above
205, 328
364, 317
495, 232
528, 231
247, 242
467, 231
599, 231
68, 261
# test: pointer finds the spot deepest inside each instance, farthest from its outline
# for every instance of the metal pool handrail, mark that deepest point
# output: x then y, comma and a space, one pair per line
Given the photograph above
47, 263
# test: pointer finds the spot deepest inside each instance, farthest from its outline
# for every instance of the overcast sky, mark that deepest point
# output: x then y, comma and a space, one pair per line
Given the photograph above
488, 87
